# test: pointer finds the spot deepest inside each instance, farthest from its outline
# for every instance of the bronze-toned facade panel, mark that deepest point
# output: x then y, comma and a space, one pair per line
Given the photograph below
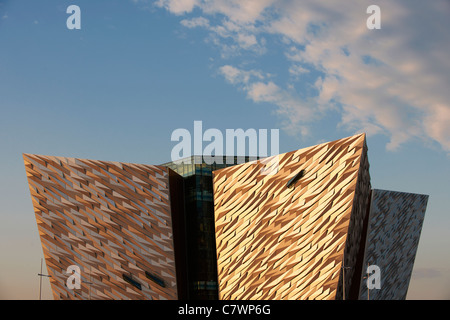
284, 235
113, 220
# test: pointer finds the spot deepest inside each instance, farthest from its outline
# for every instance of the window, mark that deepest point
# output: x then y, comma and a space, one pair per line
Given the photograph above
211, 285
155, 279
292, 182
131, 281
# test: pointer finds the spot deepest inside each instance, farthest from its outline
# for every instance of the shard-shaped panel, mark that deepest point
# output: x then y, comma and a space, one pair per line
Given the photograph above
286, 225
395, 224
112, 220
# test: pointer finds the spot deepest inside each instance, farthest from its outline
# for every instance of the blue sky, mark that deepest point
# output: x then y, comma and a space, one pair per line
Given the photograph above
137, 70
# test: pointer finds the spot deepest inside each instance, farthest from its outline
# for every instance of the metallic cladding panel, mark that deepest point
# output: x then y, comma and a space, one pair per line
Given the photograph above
275, 242
110, 219
395, 224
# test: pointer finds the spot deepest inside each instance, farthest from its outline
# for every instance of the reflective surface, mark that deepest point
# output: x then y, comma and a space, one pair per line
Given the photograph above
199, 219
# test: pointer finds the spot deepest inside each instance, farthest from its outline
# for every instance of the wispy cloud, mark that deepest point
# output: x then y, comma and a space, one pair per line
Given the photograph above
195, 22
260, 88
178, 7
426, 273
392, 81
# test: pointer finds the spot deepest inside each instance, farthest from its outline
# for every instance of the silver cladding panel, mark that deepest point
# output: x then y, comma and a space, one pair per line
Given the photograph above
395, 224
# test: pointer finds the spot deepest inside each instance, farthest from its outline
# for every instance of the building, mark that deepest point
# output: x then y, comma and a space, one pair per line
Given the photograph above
193, 230
281, 241
117, 222
395, 223
201, 266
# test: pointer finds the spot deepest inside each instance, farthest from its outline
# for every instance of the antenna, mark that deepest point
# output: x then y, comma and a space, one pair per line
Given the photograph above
343, 279
40, 280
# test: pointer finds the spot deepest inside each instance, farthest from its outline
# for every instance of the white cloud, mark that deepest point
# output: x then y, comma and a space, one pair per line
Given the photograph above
260, 89
195, 22
238, 76
240, 12
178, 7
297, 70
392, 81
246, 40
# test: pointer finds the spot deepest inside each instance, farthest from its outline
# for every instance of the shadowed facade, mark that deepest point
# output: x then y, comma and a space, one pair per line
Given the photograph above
395, 224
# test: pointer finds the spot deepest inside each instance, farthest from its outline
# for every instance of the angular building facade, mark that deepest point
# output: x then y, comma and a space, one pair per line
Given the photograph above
276, 241
115, 221
300, 225
395, 224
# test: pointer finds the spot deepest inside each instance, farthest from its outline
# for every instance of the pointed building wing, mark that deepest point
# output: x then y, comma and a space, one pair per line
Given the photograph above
287, 233
394, 226
113, 220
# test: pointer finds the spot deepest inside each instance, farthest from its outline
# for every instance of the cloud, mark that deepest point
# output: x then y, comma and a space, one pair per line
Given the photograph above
177, 7
260, 89
393, 81
426, 273
195, 22
237, 76
297, 70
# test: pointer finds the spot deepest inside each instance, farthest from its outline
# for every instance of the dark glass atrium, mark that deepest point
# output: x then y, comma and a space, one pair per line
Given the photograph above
201, 260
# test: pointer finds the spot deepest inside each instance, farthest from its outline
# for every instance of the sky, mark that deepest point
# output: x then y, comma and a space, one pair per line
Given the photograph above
137, 70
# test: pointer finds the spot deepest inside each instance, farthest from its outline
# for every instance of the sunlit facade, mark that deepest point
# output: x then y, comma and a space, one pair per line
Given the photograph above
197, 229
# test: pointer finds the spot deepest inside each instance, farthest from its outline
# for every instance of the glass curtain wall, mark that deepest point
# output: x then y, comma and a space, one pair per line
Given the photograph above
199, 219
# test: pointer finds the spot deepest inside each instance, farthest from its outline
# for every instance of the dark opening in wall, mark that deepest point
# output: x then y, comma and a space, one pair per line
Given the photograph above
297, 177
155, 279
131, 281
